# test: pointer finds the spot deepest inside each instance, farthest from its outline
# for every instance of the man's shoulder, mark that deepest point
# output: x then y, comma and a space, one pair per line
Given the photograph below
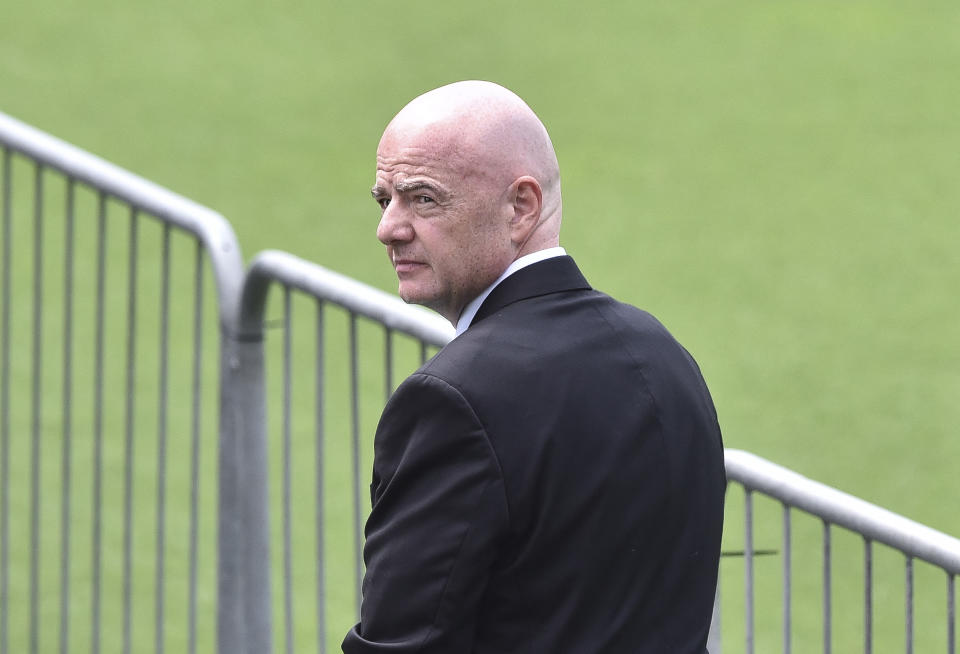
458, 357
535, 330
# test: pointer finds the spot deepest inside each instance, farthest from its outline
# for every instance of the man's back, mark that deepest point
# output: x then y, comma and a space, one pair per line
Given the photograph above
595, 464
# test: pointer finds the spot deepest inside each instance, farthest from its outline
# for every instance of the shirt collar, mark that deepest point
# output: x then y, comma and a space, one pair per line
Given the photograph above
470, 311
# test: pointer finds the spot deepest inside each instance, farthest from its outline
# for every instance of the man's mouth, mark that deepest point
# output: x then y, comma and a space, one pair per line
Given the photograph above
407, 265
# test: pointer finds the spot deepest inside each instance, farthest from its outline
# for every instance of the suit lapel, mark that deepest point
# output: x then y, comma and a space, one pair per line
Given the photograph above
548, 276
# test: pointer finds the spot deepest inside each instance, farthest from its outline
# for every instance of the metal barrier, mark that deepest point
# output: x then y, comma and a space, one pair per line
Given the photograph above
378, 336
324, 288
872, 526
130, 369
101, 397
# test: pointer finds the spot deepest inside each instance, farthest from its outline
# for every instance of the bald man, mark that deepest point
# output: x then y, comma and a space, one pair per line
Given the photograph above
552, 480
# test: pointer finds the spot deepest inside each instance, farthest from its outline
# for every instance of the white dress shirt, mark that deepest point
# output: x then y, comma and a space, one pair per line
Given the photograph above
470, 311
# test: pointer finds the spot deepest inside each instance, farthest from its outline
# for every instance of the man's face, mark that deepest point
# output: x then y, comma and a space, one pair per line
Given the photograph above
445, 220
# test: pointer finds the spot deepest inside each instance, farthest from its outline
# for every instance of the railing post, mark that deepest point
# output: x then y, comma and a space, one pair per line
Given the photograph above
244, 599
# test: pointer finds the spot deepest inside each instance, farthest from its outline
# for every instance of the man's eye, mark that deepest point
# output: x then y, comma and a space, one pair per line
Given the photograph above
383, 202
424, 199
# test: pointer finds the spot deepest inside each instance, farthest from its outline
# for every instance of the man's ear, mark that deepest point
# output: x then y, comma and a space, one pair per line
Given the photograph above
527, 203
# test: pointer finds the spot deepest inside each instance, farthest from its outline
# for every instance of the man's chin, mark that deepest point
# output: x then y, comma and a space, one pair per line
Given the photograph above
412, 295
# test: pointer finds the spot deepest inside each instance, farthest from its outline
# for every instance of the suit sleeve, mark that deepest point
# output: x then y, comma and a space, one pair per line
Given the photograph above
439, 513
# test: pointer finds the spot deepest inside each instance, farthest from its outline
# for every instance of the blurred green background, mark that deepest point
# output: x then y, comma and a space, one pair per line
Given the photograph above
777, 182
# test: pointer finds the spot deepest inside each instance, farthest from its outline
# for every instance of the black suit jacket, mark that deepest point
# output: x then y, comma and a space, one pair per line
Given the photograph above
550, 482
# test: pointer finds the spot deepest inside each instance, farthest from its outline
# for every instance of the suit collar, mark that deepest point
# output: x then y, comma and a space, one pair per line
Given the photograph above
552, 275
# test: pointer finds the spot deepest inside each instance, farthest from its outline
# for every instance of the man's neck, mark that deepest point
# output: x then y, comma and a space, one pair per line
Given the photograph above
470, 311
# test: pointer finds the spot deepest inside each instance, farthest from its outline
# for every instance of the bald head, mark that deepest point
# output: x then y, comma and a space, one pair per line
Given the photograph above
468, 182
488, 131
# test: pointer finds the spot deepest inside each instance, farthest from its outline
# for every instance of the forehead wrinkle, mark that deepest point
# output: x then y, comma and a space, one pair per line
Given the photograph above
415, 167
409, 163
407, 185
457, 152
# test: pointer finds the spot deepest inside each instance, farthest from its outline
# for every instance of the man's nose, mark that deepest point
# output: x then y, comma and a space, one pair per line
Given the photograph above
394, 225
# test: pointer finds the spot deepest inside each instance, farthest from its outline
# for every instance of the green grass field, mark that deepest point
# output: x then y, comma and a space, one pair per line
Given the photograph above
774, 181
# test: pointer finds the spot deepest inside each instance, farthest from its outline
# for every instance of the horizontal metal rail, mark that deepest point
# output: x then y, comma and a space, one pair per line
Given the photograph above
844, 510
211, 228
354, 296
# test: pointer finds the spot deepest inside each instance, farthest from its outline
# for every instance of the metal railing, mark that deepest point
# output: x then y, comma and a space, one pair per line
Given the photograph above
121, 404
831, 507
105, 253
332, 431
873, 526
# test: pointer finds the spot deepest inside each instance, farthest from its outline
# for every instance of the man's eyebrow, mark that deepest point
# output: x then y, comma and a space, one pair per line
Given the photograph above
406, 187
416, 185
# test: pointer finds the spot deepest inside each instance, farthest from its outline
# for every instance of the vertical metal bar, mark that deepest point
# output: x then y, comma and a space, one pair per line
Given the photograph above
867, 596
787, 581
388, 361
748, 563
951, 615
287, 516
162, 442
908, 621
129, 427
827, 613
195, 448
714, 635
37, 373
321, 570
423, 352
67, 418
244, 604
355, 425
98, 427
5, 410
